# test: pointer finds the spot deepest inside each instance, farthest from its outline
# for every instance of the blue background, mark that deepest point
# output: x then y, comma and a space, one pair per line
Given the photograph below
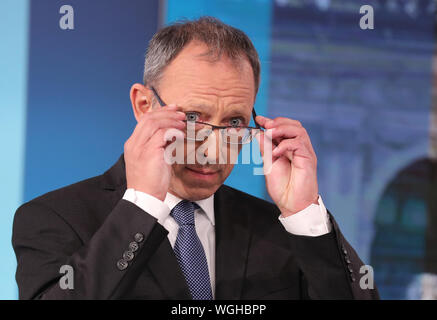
363, 95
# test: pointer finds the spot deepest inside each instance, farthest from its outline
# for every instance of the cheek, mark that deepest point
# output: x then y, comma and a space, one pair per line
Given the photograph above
227, 169
177, 169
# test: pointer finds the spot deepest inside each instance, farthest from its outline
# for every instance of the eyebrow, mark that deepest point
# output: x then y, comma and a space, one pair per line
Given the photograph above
195, 105
231, 111
207, 107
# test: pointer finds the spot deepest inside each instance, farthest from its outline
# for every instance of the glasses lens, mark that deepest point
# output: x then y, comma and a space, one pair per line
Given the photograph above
197, 131
237, 135
200, 132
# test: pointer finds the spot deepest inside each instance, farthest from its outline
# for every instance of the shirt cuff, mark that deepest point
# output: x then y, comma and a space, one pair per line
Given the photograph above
153, 206
313, 221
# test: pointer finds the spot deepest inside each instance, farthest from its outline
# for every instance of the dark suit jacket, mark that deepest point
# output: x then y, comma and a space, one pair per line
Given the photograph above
89, 226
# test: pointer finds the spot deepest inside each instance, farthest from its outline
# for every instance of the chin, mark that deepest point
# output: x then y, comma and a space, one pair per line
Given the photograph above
192, 190
192, 185
194, 196
198, 192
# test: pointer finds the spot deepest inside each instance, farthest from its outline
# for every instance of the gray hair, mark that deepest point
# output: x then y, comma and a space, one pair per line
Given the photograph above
219, 37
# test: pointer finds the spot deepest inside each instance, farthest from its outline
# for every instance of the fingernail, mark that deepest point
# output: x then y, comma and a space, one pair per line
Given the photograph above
172, 105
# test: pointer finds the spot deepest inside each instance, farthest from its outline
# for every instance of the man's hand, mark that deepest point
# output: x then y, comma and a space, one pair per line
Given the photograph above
292, 179
146, 169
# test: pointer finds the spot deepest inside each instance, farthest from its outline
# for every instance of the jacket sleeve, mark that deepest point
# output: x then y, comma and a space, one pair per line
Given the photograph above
43, 242
330, 267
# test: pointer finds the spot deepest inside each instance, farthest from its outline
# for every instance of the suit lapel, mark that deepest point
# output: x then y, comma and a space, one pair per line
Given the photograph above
163, 264
166, 271
232, 244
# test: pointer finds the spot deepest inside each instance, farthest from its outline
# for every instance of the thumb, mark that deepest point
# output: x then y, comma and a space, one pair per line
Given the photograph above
265, 142
266, 148
260, 138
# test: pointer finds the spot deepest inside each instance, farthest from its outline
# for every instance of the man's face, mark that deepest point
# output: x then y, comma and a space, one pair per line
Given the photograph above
219, 92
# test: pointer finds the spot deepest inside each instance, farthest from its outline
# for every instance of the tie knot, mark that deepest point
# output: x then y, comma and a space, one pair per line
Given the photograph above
183, 212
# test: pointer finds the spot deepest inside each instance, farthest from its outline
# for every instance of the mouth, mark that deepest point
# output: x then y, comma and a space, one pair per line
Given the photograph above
201, 173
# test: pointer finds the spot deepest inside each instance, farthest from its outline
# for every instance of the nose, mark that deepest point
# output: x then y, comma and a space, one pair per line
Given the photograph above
213, 147
216, 150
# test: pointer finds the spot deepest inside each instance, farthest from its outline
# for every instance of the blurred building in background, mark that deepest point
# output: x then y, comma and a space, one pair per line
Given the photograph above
364, 96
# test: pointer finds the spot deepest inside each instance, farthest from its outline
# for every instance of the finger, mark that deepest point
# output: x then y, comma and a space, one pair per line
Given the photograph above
152, 116
288, 131
261, 120
165, 112
163, 137
170, 107
282, 121
289, 147
151, 126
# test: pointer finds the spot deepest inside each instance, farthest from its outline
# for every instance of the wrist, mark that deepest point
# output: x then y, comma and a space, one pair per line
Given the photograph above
149, 191
286, 212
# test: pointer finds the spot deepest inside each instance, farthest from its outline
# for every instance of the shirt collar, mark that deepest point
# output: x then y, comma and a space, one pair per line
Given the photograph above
207, 205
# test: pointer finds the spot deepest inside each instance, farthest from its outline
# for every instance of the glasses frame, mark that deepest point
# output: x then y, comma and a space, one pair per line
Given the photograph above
213, 127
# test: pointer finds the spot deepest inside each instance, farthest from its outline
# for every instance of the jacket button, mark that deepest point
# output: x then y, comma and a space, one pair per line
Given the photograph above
122, 264
128, 255
350, 269
139, 237
352, 278
344, 250
133, 246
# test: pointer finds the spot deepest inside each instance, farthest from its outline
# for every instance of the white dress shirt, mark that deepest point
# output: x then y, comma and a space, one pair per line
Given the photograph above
313, 221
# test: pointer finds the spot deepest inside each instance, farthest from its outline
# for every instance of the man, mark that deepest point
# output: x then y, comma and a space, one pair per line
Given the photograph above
147, 229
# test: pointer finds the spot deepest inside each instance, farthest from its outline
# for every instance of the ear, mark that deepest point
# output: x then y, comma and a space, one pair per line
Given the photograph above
141, 99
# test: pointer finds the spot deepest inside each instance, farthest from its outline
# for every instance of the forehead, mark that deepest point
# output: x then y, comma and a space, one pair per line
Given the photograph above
195, 72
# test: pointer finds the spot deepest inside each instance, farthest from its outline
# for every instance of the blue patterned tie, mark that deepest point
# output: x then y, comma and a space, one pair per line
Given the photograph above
189, 252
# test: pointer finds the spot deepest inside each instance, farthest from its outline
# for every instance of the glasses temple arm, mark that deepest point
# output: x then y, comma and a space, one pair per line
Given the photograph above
162, 103
254, 116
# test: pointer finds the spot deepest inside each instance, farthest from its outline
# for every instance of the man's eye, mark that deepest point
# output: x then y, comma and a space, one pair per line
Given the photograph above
191, 116
235, 122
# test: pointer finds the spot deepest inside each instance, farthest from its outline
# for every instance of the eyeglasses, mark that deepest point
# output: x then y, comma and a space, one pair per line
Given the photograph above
200, 131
